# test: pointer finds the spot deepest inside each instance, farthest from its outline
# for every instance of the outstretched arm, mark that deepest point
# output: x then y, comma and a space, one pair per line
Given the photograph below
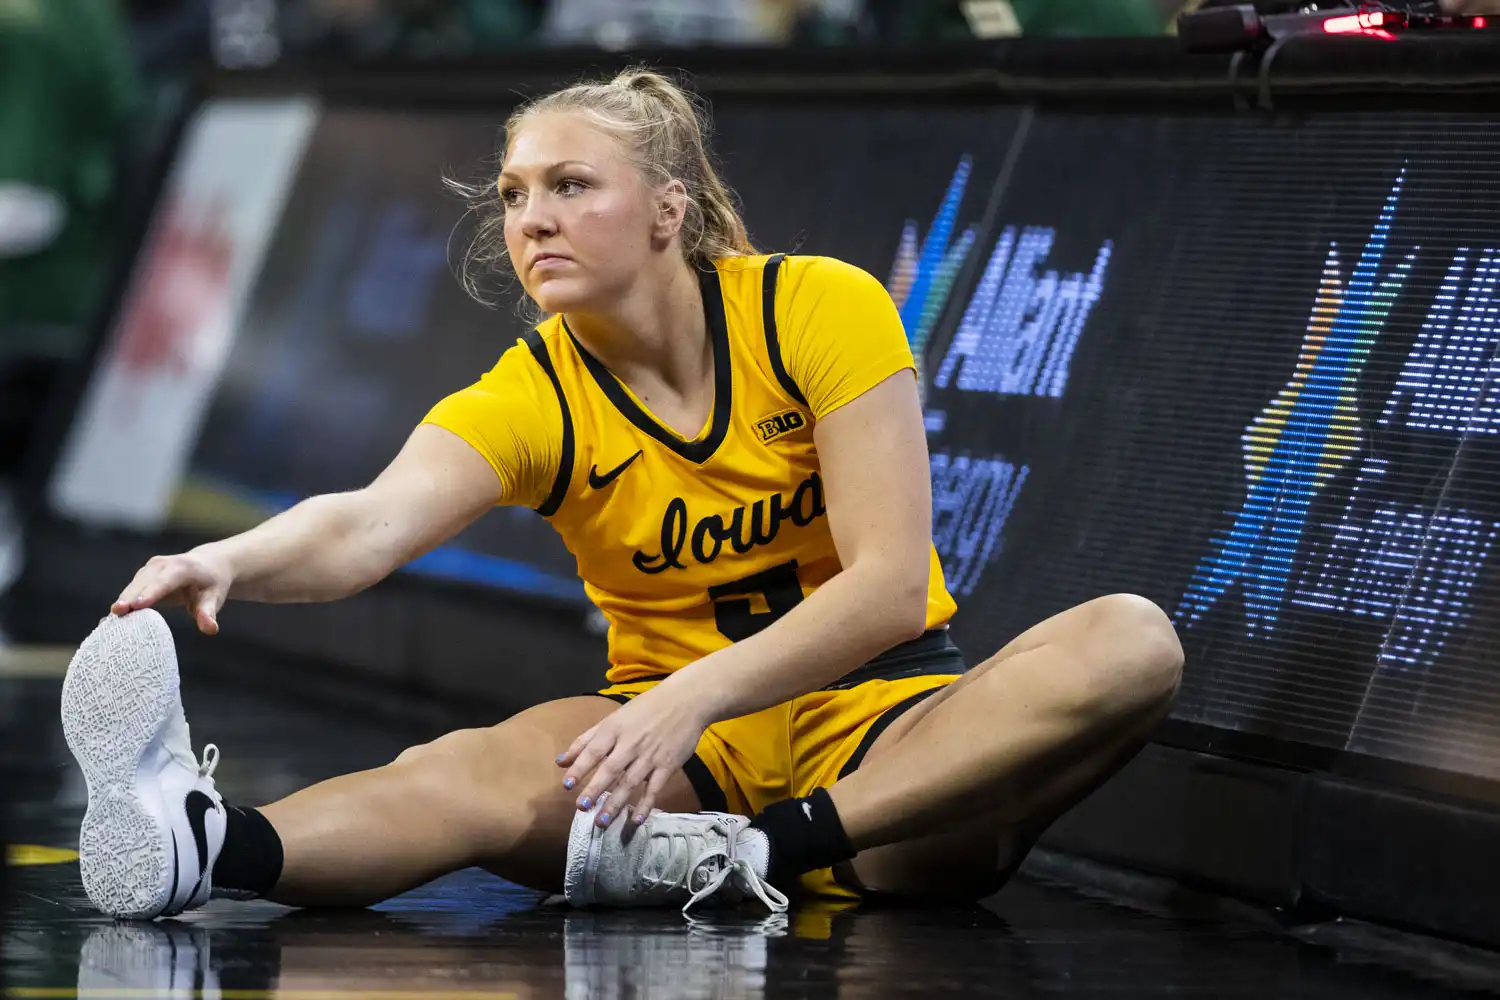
330, 546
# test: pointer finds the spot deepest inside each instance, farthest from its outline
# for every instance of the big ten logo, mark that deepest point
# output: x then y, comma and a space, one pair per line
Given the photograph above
773, 427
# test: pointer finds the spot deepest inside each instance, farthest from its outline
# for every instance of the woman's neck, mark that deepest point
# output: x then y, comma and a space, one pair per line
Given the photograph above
656, 337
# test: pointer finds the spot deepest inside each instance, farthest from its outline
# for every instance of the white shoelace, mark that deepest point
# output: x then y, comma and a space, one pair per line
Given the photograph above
722, 865
210, 761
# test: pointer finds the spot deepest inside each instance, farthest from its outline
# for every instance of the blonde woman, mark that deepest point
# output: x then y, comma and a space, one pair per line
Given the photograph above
732, 446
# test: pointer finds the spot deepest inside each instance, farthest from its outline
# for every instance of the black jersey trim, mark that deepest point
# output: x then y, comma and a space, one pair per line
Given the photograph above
932, 652
565, 465
768, 320
700, 451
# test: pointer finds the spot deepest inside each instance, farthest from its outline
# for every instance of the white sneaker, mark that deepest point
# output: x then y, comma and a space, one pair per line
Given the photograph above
167, 961
671, 858
622, 956
155, 823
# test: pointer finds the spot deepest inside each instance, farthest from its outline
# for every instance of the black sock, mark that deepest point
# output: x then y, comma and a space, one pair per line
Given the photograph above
250, 860
806, 834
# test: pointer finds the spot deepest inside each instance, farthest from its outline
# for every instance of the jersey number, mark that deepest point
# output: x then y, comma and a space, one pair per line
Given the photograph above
732, 609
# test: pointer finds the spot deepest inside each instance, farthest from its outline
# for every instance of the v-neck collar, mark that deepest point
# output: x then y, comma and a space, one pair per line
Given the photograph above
700, 450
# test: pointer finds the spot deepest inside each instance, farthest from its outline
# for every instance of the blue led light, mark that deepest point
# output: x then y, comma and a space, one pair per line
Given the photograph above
1401, 562
1302, 437
1020, 329
1410, 564
1449, 382
922, 277
971, 500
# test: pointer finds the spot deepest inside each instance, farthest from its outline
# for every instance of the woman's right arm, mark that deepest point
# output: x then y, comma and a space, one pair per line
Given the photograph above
330, 546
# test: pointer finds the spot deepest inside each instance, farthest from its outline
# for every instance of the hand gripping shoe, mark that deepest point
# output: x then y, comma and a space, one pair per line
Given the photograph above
155, 823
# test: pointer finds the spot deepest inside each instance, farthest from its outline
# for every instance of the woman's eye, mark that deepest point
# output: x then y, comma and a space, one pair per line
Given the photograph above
510, 197
569, 187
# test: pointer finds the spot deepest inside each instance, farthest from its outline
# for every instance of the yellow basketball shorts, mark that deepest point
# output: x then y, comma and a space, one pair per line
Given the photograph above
787, 751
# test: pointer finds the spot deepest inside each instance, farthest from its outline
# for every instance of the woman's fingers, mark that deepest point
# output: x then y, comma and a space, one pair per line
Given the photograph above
205, 613
589, 756
605, 774
568, 756
155, 582
658, 780
622, 792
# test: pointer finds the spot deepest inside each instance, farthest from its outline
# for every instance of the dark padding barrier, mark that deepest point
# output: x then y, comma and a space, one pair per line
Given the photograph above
1217, 330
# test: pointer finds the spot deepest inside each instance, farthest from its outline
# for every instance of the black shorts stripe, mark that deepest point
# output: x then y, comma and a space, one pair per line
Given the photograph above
883, 723
565, 466
710, 796
768, 320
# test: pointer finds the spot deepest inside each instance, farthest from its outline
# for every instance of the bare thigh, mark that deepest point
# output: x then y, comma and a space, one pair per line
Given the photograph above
976, 856
513, 767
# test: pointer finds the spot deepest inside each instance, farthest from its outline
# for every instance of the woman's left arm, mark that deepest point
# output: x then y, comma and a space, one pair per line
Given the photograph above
877, 487
873, 461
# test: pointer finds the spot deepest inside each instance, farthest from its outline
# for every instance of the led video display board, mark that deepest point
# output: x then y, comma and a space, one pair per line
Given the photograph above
1247, 369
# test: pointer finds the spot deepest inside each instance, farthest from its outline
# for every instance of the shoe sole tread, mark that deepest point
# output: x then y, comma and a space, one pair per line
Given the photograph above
114, 707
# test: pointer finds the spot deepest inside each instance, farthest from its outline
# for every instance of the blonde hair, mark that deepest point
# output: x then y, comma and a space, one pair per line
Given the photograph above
665, 127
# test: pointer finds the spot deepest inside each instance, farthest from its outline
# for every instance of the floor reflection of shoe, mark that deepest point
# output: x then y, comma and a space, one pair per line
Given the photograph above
155, 822
612, 956
164, 959
672, 858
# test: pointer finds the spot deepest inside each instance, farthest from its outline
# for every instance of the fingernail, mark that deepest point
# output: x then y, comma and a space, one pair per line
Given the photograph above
585, 803
640, 818
569, 782
561, 756
604, 819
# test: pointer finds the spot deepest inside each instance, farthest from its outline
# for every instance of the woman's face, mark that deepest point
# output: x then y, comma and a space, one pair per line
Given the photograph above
580, 218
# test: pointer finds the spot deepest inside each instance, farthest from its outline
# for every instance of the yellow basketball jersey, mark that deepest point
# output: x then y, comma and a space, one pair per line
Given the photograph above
687, 545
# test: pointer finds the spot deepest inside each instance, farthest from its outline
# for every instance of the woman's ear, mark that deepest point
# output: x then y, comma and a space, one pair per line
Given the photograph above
671, 209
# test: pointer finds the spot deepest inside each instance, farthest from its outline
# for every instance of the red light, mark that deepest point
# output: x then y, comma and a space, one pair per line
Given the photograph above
1480, 22
1371, 25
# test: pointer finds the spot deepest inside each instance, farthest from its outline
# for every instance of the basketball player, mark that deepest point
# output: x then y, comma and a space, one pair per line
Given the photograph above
732, 446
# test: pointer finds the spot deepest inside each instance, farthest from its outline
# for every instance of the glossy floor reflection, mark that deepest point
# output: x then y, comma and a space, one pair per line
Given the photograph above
473, 936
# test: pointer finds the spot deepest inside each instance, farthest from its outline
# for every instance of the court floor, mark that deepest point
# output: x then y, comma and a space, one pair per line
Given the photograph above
1061, 929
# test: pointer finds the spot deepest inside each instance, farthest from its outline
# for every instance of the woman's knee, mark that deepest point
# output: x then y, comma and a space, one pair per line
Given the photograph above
470, 776
461, 748
1119, 655
1135, 658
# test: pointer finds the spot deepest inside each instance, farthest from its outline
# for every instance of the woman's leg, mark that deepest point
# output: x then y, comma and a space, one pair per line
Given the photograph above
490, 797
952, 790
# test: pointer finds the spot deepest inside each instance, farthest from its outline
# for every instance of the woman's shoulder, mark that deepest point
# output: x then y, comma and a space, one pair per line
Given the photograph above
527, 358
800, 269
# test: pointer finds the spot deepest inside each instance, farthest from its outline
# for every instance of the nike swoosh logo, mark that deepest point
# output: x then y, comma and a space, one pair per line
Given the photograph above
198, 805
598, 482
